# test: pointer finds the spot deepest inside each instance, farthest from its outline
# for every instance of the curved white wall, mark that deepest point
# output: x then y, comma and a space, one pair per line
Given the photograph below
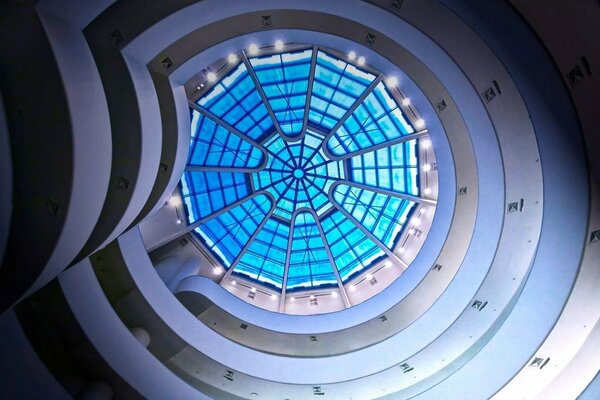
513, 148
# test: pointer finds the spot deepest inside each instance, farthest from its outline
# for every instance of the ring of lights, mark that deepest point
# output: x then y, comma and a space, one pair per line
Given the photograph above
430, 264
510, 186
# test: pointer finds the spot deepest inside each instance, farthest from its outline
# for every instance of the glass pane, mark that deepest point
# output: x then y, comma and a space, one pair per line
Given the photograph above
377, 120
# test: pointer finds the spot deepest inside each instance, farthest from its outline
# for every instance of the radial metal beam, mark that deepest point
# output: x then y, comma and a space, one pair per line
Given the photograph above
287, 263
338, 278
246, 246
311, 82
402, 139
201, 221
397, 261
390, 193
353, 108
263, 96
227, 126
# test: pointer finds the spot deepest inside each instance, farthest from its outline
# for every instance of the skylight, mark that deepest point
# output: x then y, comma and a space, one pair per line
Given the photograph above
302, 171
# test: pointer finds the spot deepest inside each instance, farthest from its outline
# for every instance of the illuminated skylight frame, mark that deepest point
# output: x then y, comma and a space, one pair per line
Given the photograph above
305, 146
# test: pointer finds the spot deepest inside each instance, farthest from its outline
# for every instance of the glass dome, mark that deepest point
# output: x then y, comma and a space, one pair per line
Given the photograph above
303, 168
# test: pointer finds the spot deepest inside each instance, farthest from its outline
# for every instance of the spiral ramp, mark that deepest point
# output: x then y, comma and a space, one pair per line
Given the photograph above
501, 302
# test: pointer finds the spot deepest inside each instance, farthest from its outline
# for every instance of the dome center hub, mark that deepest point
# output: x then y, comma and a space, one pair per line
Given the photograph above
298, 173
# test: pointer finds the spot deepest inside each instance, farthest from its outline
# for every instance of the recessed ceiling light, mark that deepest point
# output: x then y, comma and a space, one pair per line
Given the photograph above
352, 55
232, 57
427, 167
392, 81
217, 271
233, 283
334, 294
406, 101
420, 123
278, 45
426, 143
416, 221
178, 221
352, 288
427, 190
369, 277
361, 60
273, 297
389, 265
253, 290
253, 49
211, 76
174, 201
401, 250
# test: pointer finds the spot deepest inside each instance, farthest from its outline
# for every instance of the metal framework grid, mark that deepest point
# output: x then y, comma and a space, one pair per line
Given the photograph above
303, 169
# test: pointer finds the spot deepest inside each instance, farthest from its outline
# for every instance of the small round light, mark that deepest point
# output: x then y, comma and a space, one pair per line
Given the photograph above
292, 298
406, 101
278, 45
352, 55
174, 201
427, 167
426, 143
389, 265
253, 49
233, 283
420, 123
369, 277
202, 85
416, 221
352, 288
361, 60
217, 271
211, 76
178, 221
392, 81
273, 297
253, 290
334, 295
401, 250
232, 57
411, 231
427, 190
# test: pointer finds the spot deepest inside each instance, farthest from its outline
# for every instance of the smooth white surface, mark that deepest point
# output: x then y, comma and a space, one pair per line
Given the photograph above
151, 132
120, 349
91, 139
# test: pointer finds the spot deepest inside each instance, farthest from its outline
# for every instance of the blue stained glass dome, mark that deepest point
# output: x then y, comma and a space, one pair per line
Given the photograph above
302, 170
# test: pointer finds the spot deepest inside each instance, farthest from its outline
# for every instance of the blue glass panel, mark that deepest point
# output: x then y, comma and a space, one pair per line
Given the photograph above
207, 192
309, 262
265, 258
227, 234
392, 168
214, 146
378, 119
337, 85
384, 216
298, 173
351, 249
284, 79
236, 101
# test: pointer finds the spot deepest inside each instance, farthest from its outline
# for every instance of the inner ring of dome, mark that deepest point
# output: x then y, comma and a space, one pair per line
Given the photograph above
303, 168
